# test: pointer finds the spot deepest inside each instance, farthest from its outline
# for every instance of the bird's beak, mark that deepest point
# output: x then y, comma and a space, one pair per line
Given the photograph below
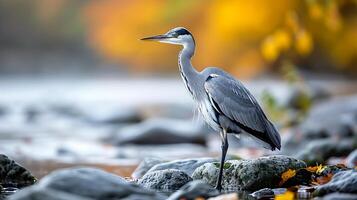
157, 37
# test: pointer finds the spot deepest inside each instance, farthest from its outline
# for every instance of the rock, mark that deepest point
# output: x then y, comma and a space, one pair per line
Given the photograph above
37, 193
351, 160
194, 189
145, 166
263, 193
14, 175
187, 165
91, 183
324, 149
339, 196
249, 175
166, 180
3, 110
344, 182
160, 131
110, 115
65, 110
334, 117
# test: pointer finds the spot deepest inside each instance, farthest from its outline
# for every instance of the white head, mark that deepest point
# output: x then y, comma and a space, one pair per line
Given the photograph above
179, 35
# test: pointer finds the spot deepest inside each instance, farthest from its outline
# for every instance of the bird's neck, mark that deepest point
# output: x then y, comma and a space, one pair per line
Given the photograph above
188, 73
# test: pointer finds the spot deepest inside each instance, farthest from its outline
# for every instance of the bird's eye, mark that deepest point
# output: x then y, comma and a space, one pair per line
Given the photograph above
174, 34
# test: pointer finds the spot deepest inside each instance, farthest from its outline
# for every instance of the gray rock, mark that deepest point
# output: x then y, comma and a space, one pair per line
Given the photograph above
339, 196
38, 193
145, 166
160, 131
263, 193
93, 183
351, 160
344, 182
110, 115
193, 190
334, 117
187, 165
318, 151
14, 175
165, 180
249, 175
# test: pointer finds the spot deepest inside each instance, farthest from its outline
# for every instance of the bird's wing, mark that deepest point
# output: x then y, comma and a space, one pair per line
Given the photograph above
232, 99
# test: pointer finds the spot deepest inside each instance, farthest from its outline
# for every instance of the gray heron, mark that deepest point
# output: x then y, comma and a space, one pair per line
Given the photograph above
225, 103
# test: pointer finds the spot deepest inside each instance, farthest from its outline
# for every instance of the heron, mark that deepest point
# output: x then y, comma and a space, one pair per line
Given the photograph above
225, 103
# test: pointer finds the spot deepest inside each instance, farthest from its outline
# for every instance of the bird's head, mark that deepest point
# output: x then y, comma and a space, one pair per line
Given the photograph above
179, 36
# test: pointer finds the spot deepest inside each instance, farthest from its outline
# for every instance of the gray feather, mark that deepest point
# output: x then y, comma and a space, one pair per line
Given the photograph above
239, 105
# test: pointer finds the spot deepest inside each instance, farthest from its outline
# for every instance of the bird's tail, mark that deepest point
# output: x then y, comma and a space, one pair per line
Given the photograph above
273, 135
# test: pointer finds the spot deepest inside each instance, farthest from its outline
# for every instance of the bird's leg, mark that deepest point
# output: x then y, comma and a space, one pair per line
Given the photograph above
224, 152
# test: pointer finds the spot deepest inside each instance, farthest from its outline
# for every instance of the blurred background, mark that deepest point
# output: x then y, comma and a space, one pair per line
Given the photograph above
78, 87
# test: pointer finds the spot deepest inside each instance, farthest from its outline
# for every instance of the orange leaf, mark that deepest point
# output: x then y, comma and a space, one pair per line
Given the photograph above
287, 175
324, 179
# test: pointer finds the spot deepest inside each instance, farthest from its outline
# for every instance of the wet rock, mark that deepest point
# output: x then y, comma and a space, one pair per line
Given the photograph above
65, 110
37, 193
160, 131
351, 160
145, 166
91, 183
187, 165
194, 189
14, 175
344, 182
164, 180
334, 117
263, 193
108, 115
339, 196
3, 110
249, 175
318, 151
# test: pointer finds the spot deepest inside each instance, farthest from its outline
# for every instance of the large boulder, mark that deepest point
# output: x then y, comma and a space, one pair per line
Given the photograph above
194, 189
344, 182
167, 180
319, 151
249, 175
187, 165
14, 175
160, 131
88, 183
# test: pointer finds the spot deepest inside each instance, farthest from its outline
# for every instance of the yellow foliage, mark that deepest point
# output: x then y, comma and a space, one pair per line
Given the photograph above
315, 11
304, 43
282, 38
288, 195
270, 49
224, 30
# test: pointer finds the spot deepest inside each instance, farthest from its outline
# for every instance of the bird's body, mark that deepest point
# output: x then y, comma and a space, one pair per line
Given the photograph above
226, 105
